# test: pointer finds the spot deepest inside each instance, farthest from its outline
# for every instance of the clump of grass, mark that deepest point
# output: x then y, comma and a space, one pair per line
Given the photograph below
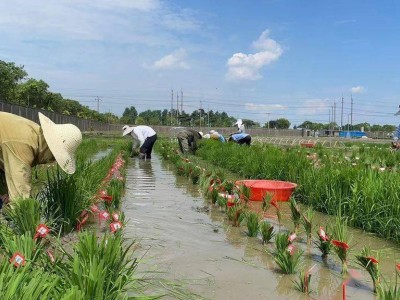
370, 264
101, 269
236, 214
243, 192
24, 215
296, 214
285, 254
341, 241
62, 200
228, 186
388, 291
324, 244
307, 220
115, 190
222, 202
267, 231
195, 175
303, 282
252, 223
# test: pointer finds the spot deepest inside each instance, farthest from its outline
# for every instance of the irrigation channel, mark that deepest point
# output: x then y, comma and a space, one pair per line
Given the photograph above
188, 240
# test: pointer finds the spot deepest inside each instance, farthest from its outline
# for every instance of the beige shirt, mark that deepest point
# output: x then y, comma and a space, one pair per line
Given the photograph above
22, 146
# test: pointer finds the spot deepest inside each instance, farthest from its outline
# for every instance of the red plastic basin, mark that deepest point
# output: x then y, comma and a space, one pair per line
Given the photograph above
307, 145
281, 190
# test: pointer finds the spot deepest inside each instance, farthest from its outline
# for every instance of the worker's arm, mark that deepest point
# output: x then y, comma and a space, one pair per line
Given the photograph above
18, 158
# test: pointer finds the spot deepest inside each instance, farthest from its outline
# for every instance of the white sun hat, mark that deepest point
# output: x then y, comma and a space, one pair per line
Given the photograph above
201, 133
239, 122
212, 131
127, 130
63, 140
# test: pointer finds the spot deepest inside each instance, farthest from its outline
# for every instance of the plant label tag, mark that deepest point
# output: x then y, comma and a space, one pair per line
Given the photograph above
94, 208
51, 256
107, 198
115, 217
42, 230
103, 193
104, 215
17, 259
115, 226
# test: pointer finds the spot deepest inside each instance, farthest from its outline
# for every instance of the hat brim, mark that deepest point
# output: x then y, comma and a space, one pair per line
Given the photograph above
127, 131
64, 159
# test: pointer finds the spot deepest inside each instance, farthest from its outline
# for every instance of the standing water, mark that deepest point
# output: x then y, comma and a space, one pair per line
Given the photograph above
189, 241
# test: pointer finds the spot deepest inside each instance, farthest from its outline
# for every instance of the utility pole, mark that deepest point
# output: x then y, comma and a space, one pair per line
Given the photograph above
97, 99
208, 116
329, 123
351, 113
341, 118
268, 119
200, 114
172, 105
334, 115
177, 108
181, 101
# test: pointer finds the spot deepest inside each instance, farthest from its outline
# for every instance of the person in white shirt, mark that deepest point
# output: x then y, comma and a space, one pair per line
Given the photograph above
144, 137
240, 126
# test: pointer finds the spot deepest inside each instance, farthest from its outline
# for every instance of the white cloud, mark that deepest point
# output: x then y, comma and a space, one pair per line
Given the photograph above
248, 66
175, 60
357, 89
265, 107
314, 107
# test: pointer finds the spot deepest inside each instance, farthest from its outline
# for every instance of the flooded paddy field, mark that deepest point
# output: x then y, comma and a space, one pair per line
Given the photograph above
189, 240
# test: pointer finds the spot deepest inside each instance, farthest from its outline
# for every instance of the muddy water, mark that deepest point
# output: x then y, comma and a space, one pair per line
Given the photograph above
191, 242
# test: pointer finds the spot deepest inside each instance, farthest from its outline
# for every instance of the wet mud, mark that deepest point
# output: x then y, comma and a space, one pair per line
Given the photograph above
190, 241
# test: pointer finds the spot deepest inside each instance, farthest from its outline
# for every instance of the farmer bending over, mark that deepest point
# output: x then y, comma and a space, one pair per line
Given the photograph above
187, 139
144, 137
24, 144
240, 138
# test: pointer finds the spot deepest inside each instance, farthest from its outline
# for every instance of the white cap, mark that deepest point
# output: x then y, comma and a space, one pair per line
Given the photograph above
239, 122
212, 131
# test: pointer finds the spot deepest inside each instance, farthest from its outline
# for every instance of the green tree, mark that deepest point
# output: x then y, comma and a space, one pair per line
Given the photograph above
10, 76
129, 115
282, 123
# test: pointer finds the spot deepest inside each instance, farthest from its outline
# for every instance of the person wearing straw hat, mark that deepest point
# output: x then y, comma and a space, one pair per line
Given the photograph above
215, 135
187, 139
144, 137
25, 144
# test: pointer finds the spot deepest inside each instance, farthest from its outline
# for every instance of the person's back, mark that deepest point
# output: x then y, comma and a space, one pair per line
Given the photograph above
241, 138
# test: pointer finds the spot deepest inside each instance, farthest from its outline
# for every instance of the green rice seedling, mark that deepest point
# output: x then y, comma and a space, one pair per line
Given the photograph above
324, 243
303, 282
24, 215
228, 186
102, 269
180, 167
266, 204
370, 264
195, 175
27, 283
236, 214
213, 194
282, 241
388, 291
267, 231
296, 214
31, 249
243, 193
288, 259
341, 241
307, 219
115, 189
222, 202
252, 223
62, 201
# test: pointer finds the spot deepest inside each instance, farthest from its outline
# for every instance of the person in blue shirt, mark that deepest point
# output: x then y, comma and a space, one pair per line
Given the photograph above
240, 138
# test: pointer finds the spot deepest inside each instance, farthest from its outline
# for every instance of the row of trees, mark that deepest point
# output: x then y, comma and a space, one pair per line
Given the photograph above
358, 127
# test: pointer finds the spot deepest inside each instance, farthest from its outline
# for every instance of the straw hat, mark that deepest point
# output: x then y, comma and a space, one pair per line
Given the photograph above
212, 131
62, 139
127, 130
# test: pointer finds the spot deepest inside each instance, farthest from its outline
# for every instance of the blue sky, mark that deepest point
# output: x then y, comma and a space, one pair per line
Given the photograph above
253, 59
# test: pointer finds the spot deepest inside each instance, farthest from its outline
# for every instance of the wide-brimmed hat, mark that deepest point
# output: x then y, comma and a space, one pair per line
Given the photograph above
239, 122
201, 133
63, 140
127, 130
212, 131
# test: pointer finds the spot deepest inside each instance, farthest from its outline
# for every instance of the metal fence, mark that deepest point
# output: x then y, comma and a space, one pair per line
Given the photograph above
82, 124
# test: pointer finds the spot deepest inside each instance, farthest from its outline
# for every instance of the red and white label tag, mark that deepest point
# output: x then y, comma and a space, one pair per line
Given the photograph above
94, 208
17, 259
42, 230
115, 226
115, 217
104, 215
